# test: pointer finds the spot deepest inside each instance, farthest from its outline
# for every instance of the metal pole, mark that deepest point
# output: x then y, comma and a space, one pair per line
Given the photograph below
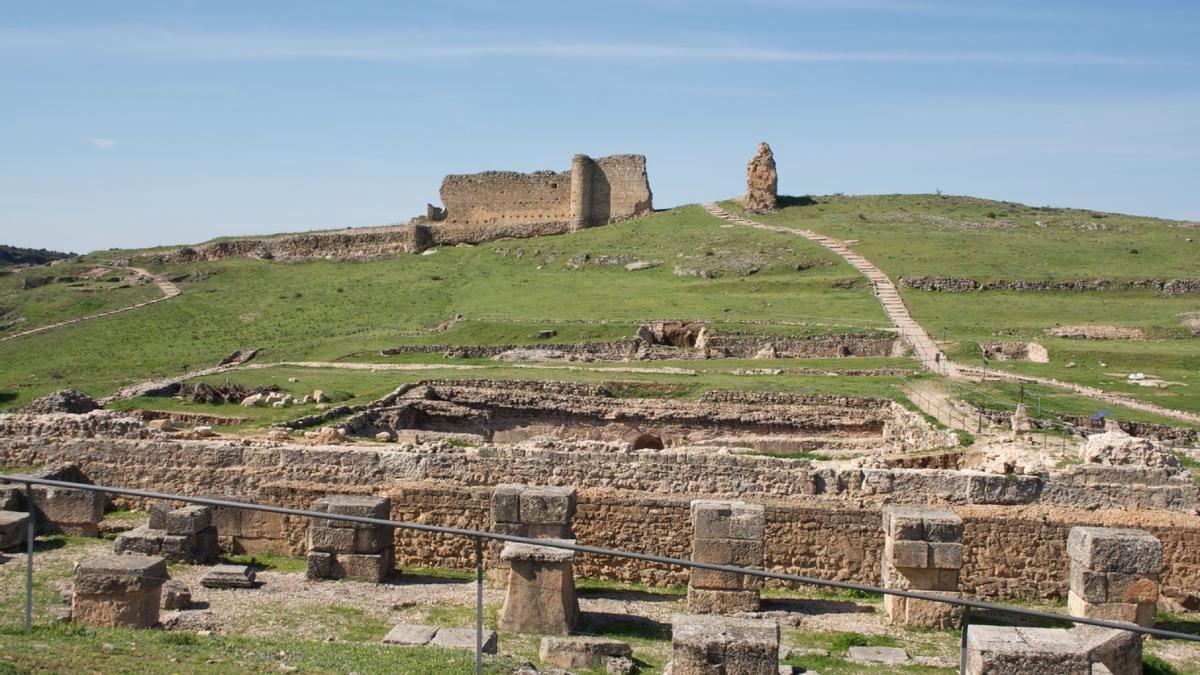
478, 606
962, 647
30, 531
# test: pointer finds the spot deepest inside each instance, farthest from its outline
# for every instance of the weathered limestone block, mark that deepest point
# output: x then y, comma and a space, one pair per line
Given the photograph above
725, 533
541, 589
13, 526
176, 595
994, 650
582, 652
341, 549
1114, 574
762, 181
229, 576
922, 552
717, 645
118, 590
183, 535
68, 511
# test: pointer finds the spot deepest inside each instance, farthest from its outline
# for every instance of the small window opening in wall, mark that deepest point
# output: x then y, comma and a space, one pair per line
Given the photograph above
647, 442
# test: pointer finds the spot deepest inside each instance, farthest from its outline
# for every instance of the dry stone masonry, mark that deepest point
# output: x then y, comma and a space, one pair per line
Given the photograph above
718, 645
118, 590
1114, 574
340, 549
540, 597
184, 535
922, 551
762, 181
13, 526
725, 533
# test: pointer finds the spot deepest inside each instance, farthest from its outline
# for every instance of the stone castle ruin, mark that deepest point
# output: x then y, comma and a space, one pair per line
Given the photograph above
478, 207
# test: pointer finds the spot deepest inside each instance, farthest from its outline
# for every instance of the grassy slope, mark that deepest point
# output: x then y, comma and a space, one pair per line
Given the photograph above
62, 301
929, 235
324, 310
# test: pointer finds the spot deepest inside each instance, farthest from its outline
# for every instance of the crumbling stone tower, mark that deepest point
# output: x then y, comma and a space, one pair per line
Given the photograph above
762, 181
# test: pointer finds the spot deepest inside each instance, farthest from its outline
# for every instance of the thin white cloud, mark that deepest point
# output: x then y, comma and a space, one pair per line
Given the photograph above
102, 143
413, 48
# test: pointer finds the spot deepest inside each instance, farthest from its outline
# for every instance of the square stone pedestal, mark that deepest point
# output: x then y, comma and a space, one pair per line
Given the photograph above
1114, 574
725, 533
703, 644
118, 590
340, 549
540, 595
922, 551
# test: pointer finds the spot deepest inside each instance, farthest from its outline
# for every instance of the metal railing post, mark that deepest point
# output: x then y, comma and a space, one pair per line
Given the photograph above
30, 532
962, 647
478, 606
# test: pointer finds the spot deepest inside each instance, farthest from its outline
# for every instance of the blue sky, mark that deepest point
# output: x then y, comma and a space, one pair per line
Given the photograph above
143, 123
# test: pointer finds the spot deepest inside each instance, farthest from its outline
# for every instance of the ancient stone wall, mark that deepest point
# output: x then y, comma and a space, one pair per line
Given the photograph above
593, 192
820, 521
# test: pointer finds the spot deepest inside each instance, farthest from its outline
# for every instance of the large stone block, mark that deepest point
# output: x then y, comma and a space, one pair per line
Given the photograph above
319, 565
68, 510
921, 523
540, 596
582, 652
188, 520
907, 553
924, 613
373, 539
711, 645
1143, 614
362, 567
1115, 550
995, 650
118, 590
362, 506
13, 526
176, 595
331, 539
712, 601
543, 505
506, 503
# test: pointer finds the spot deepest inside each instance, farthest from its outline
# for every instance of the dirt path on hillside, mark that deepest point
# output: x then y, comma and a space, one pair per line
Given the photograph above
169, 290
925, 349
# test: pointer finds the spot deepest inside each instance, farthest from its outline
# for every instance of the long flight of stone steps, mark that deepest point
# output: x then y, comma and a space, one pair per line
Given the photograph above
926, 350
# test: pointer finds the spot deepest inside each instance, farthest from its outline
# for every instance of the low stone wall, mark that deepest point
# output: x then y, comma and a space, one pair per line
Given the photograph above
822, 522
965, 285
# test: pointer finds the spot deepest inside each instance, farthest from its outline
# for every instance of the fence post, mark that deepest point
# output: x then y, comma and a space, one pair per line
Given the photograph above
962, 647
478, 606
30, 531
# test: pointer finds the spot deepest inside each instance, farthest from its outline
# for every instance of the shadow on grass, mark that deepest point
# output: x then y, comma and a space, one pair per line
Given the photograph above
7, 396
784, 201
997, 618
815, 606
632, 594
608, 624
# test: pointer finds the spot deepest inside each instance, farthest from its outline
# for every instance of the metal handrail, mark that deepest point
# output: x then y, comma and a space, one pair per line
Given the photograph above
479, 536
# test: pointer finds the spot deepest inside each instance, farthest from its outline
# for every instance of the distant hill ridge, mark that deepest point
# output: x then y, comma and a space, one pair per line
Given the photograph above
14, 255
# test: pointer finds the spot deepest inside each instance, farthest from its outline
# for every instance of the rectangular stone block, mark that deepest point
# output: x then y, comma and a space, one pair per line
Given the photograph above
714, 580
1142, 614
229, 576
410, 634
748, 522
710, 645
547, 505
227, 520
372, 539
331, 539
1115, 550
178, 547
261, 525
135, 609
139, 540
506, 503
746, 553
1134, 588
158, 515
710, 601
945, 555
13, 525
68, 510
943, 525
119, 574
1002, 649
361, 506
188, 520
1087, 584
716, 551
907, 553
904, 523
320, 565
711, 519
361, 567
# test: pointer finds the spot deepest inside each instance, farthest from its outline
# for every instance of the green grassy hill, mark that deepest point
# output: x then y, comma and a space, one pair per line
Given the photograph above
931, 235
705, 269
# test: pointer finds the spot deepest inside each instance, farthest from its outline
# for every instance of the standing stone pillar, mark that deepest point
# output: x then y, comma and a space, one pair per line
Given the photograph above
341, 549
721, 645
1114, 574
762, 181
725, 533
582, 172
118, 590
922, 551
540, 597
540, 512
